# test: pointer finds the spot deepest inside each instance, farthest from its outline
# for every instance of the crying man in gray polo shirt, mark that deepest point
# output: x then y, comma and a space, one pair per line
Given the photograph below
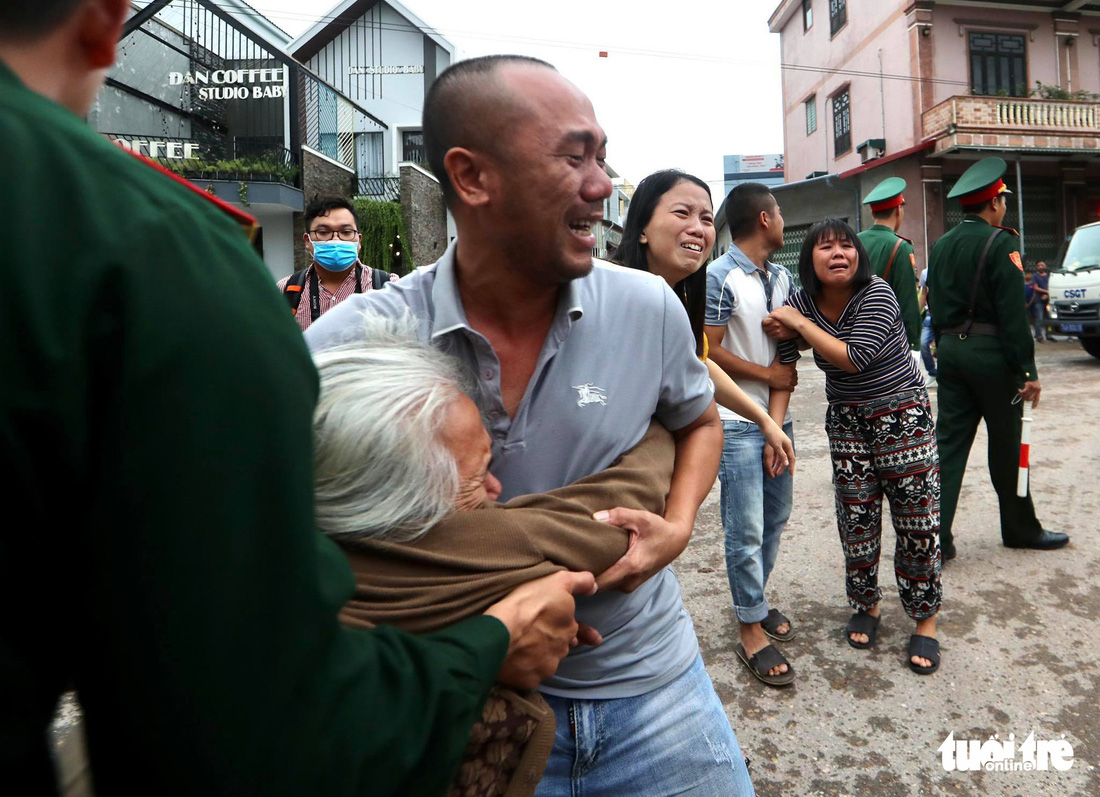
572, 359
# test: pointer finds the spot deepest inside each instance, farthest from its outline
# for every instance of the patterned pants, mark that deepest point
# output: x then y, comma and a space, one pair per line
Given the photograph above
888, 446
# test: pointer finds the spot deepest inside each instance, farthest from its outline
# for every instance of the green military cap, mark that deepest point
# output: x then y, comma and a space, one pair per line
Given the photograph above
886, 195
981, 182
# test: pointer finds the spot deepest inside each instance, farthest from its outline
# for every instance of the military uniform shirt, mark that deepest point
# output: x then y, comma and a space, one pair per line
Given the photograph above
1000, 297
156, 424
879, 242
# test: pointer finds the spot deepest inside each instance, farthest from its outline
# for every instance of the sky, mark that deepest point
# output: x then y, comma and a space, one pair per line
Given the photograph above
683, 84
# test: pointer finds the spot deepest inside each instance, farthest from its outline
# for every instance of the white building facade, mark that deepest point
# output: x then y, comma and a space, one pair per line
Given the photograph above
384, 58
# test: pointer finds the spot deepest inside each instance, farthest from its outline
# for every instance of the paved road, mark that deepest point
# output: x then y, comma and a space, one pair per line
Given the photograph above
1018, 629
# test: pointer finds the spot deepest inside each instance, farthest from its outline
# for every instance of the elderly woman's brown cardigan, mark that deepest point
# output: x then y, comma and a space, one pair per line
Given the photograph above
471, 560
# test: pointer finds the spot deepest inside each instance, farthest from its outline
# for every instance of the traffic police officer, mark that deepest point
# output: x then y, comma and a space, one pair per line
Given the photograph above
986, 353
891, 255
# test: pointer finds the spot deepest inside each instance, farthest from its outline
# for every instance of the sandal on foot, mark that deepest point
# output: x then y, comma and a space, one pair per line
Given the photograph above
775, 619
862, 623
924, 647
765, 659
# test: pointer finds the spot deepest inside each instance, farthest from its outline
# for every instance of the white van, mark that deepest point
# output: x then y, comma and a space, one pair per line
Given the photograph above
1075, 289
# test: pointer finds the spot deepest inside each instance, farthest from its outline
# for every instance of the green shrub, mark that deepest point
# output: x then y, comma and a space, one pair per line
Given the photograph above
384, 240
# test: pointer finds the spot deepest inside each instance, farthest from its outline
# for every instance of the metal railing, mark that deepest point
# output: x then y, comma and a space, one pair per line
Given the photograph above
386, 189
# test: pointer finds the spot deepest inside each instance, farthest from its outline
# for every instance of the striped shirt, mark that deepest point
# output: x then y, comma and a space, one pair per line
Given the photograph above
328, 299
877, 345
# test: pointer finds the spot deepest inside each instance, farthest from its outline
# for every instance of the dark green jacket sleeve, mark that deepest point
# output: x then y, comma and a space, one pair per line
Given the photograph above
904, 282
1006, 286
156, 430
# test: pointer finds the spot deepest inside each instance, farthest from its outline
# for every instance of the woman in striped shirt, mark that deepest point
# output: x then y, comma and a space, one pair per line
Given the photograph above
881, 434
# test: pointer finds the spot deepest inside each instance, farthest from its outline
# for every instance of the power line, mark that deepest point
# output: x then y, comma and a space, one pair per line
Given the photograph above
571, 45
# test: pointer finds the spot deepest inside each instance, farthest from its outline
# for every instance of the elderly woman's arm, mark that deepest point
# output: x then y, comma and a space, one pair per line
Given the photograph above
472, 559
560, 522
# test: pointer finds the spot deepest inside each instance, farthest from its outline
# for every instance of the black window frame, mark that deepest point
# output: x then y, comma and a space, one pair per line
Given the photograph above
810, 103
838, 15
807, 15
1008, 65
417, 149
842, 122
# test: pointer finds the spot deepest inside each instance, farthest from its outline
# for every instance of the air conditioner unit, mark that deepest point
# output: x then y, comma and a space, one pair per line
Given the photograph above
871, 148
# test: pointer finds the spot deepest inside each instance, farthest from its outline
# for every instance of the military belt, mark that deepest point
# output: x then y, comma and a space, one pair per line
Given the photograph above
973, 328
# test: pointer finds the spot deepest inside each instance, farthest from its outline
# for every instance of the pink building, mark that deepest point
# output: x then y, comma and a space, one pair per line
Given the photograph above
920, 89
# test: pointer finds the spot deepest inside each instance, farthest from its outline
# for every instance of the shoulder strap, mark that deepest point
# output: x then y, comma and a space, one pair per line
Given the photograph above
293, 289
379, 278
893, 254
978, 279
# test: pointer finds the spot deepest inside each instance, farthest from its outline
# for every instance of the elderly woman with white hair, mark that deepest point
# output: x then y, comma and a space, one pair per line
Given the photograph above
403, 485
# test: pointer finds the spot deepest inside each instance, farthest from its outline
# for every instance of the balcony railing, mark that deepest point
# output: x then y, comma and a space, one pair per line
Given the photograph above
386, 189
1047, 114
241, 161
1013, 122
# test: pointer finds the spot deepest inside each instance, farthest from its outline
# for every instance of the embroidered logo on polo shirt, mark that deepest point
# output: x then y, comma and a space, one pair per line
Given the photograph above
590, 394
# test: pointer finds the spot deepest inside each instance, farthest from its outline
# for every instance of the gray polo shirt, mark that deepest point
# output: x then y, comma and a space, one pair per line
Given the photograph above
619, 351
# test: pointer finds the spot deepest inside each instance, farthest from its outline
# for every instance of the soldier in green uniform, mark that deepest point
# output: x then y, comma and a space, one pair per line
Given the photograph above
986, 354
155, 435
891, 255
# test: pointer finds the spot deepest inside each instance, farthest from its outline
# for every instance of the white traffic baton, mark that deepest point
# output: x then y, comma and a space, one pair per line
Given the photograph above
1025, 452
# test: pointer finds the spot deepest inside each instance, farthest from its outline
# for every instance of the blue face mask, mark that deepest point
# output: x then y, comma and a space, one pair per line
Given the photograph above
336, 255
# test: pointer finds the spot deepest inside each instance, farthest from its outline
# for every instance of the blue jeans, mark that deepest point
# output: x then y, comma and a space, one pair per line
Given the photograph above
755, 509
926, 338
673, 740
1038, 320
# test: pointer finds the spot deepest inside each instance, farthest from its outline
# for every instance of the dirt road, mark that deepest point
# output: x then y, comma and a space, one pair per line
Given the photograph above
1018, 630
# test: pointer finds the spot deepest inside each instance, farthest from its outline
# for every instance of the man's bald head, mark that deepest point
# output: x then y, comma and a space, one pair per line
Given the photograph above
470, 106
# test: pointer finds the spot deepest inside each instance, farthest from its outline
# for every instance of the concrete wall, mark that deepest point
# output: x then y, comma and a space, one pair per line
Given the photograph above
873, 25
950, 43
425, 214
277, 223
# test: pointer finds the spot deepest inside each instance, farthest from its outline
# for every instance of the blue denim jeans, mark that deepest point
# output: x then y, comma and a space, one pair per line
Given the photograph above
926, 338
673, 740
755, 509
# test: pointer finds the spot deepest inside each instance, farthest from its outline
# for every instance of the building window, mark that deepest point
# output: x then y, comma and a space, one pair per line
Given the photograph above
838, 15
412, 146
807, 14
811, 114
998, 64
842, 123
369, 161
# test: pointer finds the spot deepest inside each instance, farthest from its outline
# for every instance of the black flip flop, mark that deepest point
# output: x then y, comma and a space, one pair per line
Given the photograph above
923, 647
862, 623
763, 660
775, 619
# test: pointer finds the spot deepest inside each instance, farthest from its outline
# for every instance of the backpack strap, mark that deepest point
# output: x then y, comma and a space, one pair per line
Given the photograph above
379, 278
890, 262
293, 289
978, 280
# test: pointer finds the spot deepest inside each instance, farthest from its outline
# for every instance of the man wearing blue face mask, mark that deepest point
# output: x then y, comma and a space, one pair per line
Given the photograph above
332, 241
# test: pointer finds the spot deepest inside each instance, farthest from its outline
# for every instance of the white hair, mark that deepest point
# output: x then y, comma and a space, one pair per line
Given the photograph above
381, 469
